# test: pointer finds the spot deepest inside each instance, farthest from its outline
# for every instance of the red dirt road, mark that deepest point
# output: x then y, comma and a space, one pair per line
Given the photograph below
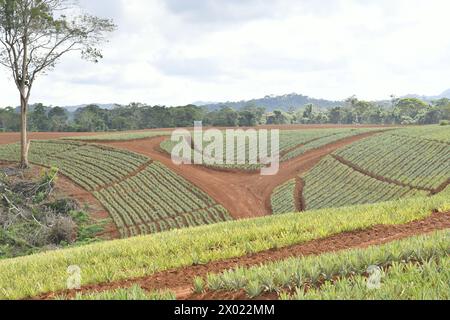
244, 195
12, 137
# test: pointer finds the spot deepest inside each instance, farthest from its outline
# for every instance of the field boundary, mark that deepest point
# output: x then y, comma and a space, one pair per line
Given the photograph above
378, 177
300, 201
132, 174
181, 280
257, 189
420, 138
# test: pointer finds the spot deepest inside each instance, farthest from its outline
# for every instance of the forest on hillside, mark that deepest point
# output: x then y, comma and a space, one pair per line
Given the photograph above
135, 116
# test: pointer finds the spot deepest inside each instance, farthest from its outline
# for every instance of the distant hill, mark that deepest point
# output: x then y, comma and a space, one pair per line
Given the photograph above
108, 106
445, 94
271, 103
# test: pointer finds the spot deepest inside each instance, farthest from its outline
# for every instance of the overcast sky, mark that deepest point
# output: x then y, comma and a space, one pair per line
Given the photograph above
179, 51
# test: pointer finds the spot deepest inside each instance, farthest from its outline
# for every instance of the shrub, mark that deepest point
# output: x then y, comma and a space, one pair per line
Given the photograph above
62, 229
64, 206
254, 289
444, 123
199, 285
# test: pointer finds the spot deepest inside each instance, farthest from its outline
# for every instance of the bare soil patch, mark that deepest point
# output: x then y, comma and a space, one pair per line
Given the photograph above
300, 200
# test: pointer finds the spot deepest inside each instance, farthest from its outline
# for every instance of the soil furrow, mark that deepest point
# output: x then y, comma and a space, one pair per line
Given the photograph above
299, 198
180, 280
138, 170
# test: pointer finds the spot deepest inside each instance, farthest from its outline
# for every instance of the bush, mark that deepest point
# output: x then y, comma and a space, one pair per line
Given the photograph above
444, 123
62, 229
199, 285
64, 206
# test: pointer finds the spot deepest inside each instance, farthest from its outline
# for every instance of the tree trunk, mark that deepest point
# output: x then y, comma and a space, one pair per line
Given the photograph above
25, 144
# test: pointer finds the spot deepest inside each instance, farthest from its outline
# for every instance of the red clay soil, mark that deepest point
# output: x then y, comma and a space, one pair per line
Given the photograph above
300, 201
244, 195
95, 208
13, 137
180, 280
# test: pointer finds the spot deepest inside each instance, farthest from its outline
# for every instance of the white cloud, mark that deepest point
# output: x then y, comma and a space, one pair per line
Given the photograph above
176, 52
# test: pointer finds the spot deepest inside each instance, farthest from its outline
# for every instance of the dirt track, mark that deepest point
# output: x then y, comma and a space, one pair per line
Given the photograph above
12, 137
244, 195
180, 280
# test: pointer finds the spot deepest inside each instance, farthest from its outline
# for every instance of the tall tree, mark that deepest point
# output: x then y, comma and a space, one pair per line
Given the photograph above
35, 34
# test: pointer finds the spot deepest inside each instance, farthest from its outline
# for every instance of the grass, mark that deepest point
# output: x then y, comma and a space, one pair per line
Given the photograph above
307, 275
133, 293
144, 256
403, 281
125, 136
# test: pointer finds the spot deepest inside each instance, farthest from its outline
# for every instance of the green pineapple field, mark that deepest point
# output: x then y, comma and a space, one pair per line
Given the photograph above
343, 200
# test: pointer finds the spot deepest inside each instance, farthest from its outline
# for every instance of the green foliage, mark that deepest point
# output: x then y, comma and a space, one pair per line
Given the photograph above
402, 281
134, 293
32, 221
9, 120
121, 136
323, 138
141, 197
429, 250
405, 155
436, 133
254, 289
199, 285
415, 157
144, 256
333, 184
157, 200
283, 198
293, 143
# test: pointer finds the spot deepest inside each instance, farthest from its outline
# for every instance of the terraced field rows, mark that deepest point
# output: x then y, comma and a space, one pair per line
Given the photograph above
283, 198
410, 160
139, 257
423, 260
433, 133
292, 145
388, 166
322, 141
157, 200
142, 197
333, 184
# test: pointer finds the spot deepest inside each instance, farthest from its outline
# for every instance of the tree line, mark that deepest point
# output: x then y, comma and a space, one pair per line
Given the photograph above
407, 111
